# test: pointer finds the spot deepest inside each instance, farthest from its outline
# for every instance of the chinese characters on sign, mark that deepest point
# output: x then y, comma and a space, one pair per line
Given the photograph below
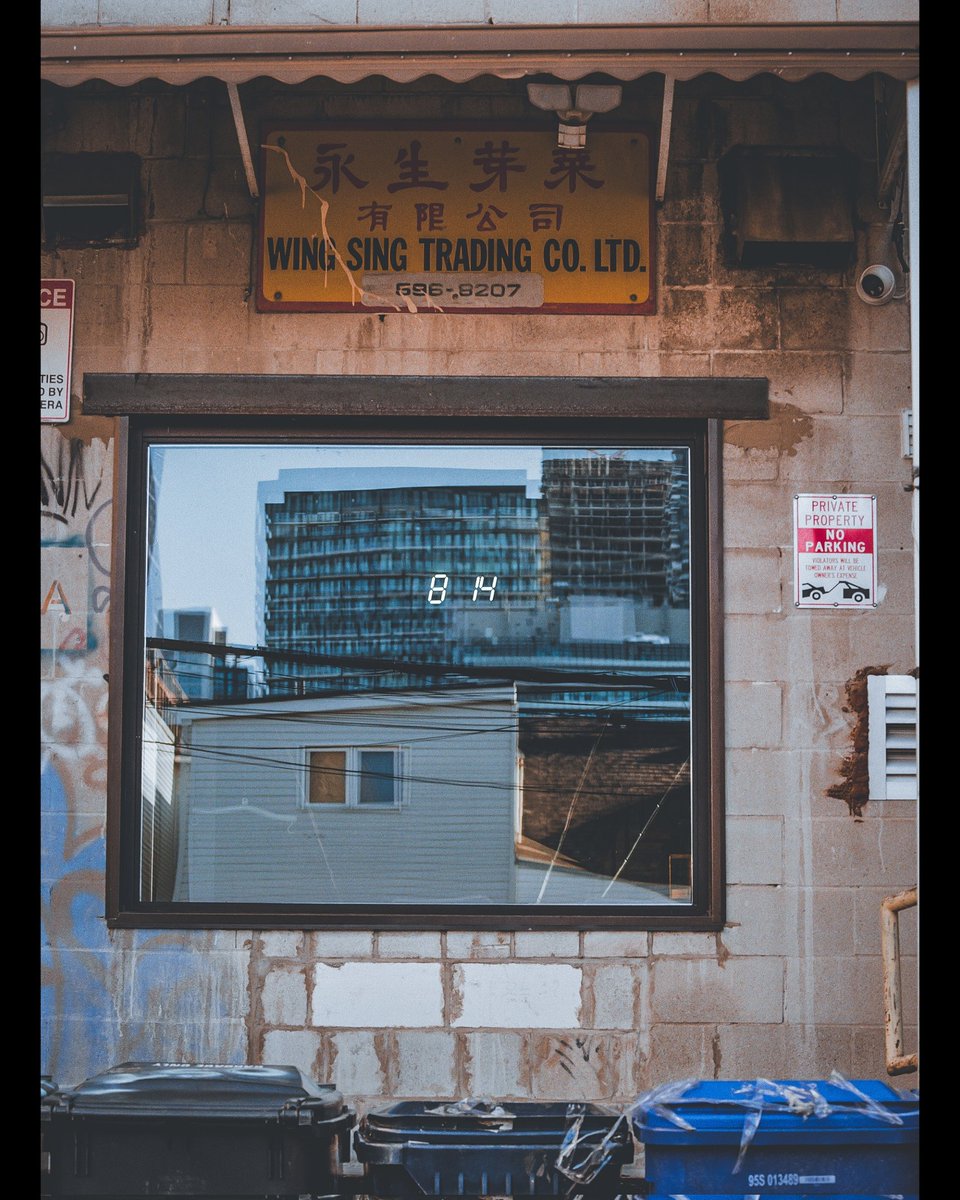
455, 218
56, 348
835, 551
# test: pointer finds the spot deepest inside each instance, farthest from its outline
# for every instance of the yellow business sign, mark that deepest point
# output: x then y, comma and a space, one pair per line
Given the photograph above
459, 218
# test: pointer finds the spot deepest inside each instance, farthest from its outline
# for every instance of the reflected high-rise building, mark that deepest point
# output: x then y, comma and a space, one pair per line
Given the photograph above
361, 564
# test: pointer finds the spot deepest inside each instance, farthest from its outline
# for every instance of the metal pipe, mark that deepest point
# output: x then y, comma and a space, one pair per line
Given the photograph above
898, 1063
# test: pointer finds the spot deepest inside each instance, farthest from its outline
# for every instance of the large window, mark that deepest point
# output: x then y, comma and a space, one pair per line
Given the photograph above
415, 678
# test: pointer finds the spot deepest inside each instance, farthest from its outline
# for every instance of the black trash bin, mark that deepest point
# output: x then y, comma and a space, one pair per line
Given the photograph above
165, 1129
469, 1148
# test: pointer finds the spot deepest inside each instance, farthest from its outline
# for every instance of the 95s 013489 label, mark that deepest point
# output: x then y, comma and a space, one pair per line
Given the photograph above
786, 1179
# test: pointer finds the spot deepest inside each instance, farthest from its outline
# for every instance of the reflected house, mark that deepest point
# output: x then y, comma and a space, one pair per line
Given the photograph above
350, 799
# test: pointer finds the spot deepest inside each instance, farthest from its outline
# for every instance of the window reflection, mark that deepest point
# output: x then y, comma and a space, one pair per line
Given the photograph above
417, 675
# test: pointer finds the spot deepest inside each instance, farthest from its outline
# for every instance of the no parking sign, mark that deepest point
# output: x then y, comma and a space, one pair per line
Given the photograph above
835, 551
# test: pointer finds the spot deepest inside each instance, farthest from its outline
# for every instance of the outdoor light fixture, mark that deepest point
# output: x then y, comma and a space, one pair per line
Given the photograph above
574, 112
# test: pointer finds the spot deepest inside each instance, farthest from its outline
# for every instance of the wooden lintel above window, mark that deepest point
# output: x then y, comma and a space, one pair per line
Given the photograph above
362, 396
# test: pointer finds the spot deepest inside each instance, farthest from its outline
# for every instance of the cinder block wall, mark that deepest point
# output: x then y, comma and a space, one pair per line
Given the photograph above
792, 986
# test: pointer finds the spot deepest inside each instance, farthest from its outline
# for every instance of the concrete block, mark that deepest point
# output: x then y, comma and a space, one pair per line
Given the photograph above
747, 319
298, 1047
614, 993
752, 582
753, 714
750, 1051
478, 945
692, 192
836, 319
683, 364
686, 254
754, 850
457, 12
612, 944
99, 319
426, 1064
748, 463
219, 253
494, 1065
377, 994
853, 452
186, 987
184, 318
811, 382
546, 944
174, 1041
284, 996
678, 1052
516, 995
816, 1050
408, 945
762, 920
876, 383
58, 14
646, 363
340, 945
878, 10
358, 1063
575, 1067
849, 853
292, 12
163, 12
761, 513
742, 12
883, 636
833, 991
700, 991
641, 11
683, 945
814, 714
281, 943
686, 320
164, 252
761, 781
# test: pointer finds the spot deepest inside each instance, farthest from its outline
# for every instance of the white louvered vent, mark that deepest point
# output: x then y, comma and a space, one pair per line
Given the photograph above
892, 754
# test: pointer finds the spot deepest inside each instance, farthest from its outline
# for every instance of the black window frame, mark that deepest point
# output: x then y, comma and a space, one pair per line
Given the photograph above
703, 435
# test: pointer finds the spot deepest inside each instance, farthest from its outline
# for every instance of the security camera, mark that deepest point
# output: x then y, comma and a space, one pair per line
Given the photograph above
876, 284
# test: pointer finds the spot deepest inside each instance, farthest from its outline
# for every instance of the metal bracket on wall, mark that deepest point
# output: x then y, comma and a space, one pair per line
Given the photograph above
898, 1063
666, 121
241, 128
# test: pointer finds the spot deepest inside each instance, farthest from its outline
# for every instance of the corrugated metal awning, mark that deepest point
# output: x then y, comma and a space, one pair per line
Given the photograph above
347, 54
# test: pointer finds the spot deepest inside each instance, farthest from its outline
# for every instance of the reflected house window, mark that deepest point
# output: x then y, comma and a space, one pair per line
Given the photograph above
495, 647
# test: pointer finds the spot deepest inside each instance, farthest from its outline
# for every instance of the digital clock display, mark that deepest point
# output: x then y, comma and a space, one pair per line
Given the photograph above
364, 660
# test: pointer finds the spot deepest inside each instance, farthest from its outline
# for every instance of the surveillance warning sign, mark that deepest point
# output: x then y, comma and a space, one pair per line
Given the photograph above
835, 551
56, 348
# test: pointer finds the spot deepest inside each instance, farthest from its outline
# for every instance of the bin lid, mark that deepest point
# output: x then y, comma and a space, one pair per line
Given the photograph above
137, 1089
483, 1123
716, 1110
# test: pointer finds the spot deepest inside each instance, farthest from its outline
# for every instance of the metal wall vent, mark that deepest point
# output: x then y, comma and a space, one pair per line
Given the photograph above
892, 758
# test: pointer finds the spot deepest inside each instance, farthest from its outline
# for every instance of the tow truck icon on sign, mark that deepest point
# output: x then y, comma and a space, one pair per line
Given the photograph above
851, 591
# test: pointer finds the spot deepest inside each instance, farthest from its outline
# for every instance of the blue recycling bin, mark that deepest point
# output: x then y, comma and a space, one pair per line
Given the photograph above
787, 1138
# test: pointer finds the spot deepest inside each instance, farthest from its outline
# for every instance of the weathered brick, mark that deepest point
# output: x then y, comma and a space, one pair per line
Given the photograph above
854, 452
743, 12
747, 318
478, 945
759, 513
218, 252
426, 1064
866, 920
163, 12
809, 381
340, 945
869, 1060
748, 463
585, 1066
546, 944
614, 995
754, 850
377, 993
284, 997
700, 990
833, 991
753, 714
290, 12
752, 582
357, 1063
641, 11
604, 944
787, 646
686, 252
762, 920
836, 319
692, 191
686, 320
296, 1047
876, 383
56, 14
494, 1065
678, 1051
281, 943
683, 945
878, 10
516, 995
849, 853
408, 945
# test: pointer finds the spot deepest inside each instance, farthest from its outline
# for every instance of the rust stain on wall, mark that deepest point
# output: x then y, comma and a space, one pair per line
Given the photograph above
785, 429
854, 790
